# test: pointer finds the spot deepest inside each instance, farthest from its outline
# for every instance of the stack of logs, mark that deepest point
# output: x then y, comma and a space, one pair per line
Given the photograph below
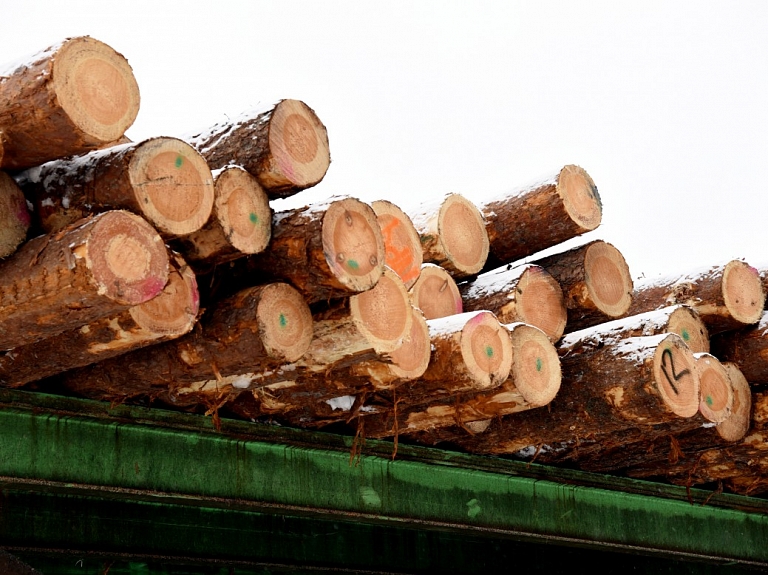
174, 271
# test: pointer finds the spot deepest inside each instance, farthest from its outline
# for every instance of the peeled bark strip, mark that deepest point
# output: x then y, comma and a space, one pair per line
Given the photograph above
240, 223
596, 283
452, 234
285, 147
96, 268
747, 348
169, 315
548, 212
162, 179
329, 250
14, 217
68, 99
727, 297
526, 293
257, 330
436, 293
401, 241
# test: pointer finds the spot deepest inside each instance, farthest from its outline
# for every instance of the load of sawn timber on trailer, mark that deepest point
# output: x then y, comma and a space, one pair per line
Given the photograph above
165, 272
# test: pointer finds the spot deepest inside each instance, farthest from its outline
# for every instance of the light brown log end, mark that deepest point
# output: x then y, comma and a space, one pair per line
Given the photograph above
435, 293
242, 208
173, 185
535, 367
716, 388
411, 359
401, 241
540, 303
685, 322
463, 237
674, 371
486, 350
580, 197
736, 425
14, 216
284, 322
608, 279
743, 292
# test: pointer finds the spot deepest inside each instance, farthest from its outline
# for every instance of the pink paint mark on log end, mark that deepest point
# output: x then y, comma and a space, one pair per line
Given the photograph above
22, 213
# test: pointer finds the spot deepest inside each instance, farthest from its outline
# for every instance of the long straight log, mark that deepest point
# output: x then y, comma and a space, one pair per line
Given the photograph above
162, 179
404, 255
284, 146
96, 268
436, 293
14, 216
69, 99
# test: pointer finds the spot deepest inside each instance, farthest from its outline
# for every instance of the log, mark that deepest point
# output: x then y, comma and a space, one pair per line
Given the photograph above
62, 281
284, 146
537, 216
14, 216
747, 348
169, 315
68, 99
162, 179
452, 233
435, 293
401, 241
726, 296
240, 223
257, 329
596, 283
525, 293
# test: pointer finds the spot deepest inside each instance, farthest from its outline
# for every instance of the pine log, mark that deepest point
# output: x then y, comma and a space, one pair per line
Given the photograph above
435, 293
727, 297
167, 316
747, 348
540, 215
240, 223
452, 234
257, 329
596, 283
162, 179
95, 268
526, 293
14, 216
284, 146
401, 241
68, 99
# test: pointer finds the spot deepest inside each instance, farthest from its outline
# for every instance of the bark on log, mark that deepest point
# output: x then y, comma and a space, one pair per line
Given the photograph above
540, 215
526, 293
596, 283
167, 316
62, 281
436, 293
285, 147
14, 216
727, 297
68, 99
162, 179
240, 223
452, 234
747, 348
401, 240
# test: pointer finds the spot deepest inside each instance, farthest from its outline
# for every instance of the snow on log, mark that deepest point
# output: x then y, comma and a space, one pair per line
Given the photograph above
435, 293
14, 216
401, 241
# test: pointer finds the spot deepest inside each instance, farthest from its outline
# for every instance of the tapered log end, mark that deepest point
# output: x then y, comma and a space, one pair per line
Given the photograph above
535, 368
540, 303
716, 388
608, 280
435, 293
580, 197
686, 323
463, 236
285, 322
736, 425
243, 211
411, 359
486, 350
743, 292
401, 241
96, 88
14, 216
173, 185
676, 376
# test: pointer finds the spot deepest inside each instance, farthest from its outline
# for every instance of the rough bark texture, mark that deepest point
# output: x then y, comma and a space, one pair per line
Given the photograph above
68, 99
747, 348
63, 281
14, 216
401, 241
162, 179
436, 293
540, 215
285, 146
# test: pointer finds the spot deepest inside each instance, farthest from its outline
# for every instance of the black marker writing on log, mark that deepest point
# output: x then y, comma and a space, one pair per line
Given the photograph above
667, 355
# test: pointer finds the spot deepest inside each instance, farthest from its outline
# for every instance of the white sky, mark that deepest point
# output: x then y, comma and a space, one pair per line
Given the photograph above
663, 103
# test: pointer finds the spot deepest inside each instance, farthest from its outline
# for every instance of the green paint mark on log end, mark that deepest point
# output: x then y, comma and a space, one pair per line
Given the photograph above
179, 161
283, 320
254, 218
539, 364
709, 400
686, 335
353, 264
488, 351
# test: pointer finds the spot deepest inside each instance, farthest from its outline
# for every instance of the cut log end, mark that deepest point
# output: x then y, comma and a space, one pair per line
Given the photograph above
401, 241
14, 216
736, 425
411, 359
540, 302
580, 197
127, 258
173, 184
96, 88
535, 365
685, 322
463, 235
716, 388
242, 208
285, 322
486, 350
435, 293
676, 377
608, 279
743, 292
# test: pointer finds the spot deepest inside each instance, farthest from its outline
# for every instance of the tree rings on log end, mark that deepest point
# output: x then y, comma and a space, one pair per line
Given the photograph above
411, 359
435, 293
243, 211
383, 313
685, 322
128, 260
352, 244
285, 322
736, 425
173, 185
535, 367
743, 292
716, 388
463, 236
608, 279
676, 377
401, 241
14, 216
580, 197
96, 88
486, 350
540, 302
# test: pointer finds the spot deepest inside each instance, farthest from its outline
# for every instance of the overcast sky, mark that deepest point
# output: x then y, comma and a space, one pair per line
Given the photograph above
665, 104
